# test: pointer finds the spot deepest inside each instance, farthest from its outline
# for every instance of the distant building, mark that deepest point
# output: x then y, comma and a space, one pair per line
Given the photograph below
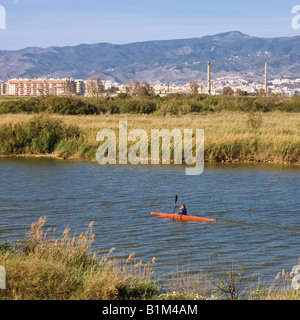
107, 84
2, 88
40, 87
80, 87
160, 89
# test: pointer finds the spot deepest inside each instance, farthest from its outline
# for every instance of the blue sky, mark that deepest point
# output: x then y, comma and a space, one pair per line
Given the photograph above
45, 23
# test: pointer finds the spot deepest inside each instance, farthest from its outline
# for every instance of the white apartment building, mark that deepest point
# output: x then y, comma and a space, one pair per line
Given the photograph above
39, 87
80, 87
2, 88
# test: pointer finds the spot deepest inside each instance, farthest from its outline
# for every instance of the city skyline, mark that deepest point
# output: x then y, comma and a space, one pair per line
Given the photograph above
69, 86
63, 23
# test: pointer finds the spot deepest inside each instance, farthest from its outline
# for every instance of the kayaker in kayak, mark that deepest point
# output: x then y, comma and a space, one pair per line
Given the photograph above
182, 209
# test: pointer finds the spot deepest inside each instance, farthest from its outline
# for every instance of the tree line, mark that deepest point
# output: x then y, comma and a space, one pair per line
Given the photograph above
141, 100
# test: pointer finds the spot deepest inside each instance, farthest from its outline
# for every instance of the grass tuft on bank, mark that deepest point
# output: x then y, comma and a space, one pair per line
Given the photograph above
46, 267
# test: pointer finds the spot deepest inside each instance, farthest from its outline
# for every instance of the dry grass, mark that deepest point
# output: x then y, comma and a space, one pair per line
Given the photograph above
192, 284
229, 136
47, 267
281, 288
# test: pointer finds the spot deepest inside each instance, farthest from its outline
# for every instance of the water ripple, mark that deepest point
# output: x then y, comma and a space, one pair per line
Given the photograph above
256, 208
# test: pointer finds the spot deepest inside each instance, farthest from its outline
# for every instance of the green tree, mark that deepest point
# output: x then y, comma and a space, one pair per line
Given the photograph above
194, 86
94, 87
143, 89
227, 91
240, 92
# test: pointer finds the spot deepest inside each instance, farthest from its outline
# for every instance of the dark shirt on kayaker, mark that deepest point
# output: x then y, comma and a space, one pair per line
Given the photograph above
183, 212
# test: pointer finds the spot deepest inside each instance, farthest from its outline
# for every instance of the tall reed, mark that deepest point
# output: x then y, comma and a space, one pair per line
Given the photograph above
50, 267
229, 137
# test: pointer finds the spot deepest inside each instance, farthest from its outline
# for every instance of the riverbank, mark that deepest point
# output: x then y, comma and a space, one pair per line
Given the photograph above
272, 137
47, 267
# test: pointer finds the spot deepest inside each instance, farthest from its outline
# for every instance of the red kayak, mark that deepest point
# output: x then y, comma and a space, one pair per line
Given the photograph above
181, 217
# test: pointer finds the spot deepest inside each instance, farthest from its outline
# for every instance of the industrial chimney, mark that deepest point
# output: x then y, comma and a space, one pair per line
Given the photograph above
266, 78
208, 78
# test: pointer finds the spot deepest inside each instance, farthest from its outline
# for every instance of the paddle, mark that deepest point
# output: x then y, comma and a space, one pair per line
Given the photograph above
176, 198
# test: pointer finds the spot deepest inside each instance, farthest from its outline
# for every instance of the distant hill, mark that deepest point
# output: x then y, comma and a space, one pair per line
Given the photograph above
176, 61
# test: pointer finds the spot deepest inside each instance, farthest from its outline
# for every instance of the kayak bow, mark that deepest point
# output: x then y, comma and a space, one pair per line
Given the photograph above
181, 217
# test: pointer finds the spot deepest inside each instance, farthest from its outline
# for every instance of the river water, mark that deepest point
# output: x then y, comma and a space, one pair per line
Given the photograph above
256, 207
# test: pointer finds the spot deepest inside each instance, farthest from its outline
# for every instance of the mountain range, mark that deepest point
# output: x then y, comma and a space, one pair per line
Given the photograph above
175, 61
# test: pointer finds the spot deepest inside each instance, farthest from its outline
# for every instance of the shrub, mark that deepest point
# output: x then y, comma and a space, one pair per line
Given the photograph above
19, 106
66, 105
40, 135
171, 104
130, 106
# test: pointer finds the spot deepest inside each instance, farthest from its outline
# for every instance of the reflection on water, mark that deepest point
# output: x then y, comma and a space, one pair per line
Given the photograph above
257, 209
